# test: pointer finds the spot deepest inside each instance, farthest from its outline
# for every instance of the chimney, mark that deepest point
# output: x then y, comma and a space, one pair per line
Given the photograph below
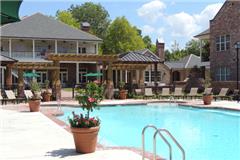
85, 26
160, 49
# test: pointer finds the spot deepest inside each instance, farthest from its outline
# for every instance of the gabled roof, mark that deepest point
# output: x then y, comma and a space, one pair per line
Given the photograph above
7, 59
39, 26
204, 33
141, 56
187, 62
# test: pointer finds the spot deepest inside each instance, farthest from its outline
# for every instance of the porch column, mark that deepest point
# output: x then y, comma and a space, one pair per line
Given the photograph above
33, 51
155, 76
109, 88
126, 80
10, 47
56, 83
9, 76
121, 76
77, 65
141, 80
201, 50
56, 47
20, 83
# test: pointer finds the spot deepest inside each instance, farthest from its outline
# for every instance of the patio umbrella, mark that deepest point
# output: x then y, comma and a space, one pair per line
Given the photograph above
9, 11
97, 74
30, 75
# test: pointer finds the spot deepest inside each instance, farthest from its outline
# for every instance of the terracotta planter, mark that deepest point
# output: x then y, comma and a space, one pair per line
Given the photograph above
34, 105
85, 139
46, 97
122, 94
207, 99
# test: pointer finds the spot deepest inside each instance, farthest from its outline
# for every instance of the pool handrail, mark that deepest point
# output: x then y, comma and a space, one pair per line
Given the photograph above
174, 140
163, 138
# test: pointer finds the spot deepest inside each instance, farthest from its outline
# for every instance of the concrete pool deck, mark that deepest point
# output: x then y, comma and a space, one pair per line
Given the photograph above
26, 136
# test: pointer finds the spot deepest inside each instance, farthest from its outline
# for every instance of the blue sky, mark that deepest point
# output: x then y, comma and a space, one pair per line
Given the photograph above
168, 20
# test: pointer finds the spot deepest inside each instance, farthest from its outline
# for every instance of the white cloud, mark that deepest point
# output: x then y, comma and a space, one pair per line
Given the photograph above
185, 25
151, 11
160, 31
146, 29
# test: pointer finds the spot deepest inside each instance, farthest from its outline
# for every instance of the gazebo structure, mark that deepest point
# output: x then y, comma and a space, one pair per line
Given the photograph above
129, 61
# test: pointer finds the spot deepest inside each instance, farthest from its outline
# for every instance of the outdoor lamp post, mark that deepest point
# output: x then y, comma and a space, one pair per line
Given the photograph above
237, 47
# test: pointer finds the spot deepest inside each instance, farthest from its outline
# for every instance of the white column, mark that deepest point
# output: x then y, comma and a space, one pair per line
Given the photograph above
2, 69
120, 75
33, 48
76, 47
77, 72
10, 47
126, 76
56, 46
97, 48
201, 50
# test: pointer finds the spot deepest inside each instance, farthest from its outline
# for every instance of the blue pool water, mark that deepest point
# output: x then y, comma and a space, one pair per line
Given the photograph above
204, 134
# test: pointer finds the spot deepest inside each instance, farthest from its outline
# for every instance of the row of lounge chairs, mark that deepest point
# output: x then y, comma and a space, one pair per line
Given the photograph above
178, 93
10, 97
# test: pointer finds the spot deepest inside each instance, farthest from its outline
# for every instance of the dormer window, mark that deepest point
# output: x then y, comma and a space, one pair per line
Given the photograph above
222, 43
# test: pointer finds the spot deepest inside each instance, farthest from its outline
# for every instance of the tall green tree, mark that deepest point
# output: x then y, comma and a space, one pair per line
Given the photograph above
95, 14
122, 37
147, 41
67, 18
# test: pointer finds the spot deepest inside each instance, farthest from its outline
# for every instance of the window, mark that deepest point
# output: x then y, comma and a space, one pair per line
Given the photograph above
42, 76
82, 50
223, 74
82, 72
63, 75
223, 43
147, 76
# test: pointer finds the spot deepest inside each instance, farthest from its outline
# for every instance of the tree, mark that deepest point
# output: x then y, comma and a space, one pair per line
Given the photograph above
147, 41
67, 18
95, 14
122, 37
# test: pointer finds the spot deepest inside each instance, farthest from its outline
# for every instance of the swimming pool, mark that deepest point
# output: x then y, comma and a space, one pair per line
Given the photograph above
204, 134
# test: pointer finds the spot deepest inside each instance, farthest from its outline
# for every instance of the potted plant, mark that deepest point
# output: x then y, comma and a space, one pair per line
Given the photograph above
85, 128
34, 101
47, 94
207, 97
122, 91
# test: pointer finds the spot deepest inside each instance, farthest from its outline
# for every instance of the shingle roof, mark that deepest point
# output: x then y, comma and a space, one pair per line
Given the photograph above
143, 56
206, 32
187, 62
7, 59
41, 26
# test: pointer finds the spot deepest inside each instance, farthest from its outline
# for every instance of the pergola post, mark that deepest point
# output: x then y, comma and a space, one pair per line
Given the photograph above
141, 80
20, 83
55, 80
109, 88
155, 77
9, 76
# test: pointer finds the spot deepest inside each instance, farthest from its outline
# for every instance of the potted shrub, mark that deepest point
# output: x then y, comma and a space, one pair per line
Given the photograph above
207, 97
34, 101
85, 128
122, 91
47, 94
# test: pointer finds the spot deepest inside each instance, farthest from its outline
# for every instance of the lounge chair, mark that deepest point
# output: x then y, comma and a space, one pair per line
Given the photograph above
193, 93
165, 93
2, 99
11, 97
28, 94
178, 93
148, 93
207, 91
223, 94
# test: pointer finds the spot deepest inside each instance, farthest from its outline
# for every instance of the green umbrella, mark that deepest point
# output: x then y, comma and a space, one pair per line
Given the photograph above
9, 11
30, 75
97, 74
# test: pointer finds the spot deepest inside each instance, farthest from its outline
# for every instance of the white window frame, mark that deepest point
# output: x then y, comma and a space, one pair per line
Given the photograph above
61, 75
222, 40
40, 73
226, 74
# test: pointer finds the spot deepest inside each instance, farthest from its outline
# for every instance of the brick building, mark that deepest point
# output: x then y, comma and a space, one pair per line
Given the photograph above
223, 33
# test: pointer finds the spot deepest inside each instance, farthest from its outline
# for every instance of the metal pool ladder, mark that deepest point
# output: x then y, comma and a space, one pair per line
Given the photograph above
158, 131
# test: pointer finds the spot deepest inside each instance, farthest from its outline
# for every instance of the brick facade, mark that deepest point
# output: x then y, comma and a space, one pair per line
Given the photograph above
226, 22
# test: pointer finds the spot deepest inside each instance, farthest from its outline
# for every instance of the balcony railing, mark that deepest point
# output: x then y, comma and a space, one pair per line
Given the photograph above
22, 54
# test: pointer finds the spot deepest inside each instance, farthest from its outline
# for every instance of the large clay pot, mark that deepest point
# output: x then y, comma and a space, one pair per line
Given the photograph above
122, 94
34, 105
85, 139
207, 99
46, 97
